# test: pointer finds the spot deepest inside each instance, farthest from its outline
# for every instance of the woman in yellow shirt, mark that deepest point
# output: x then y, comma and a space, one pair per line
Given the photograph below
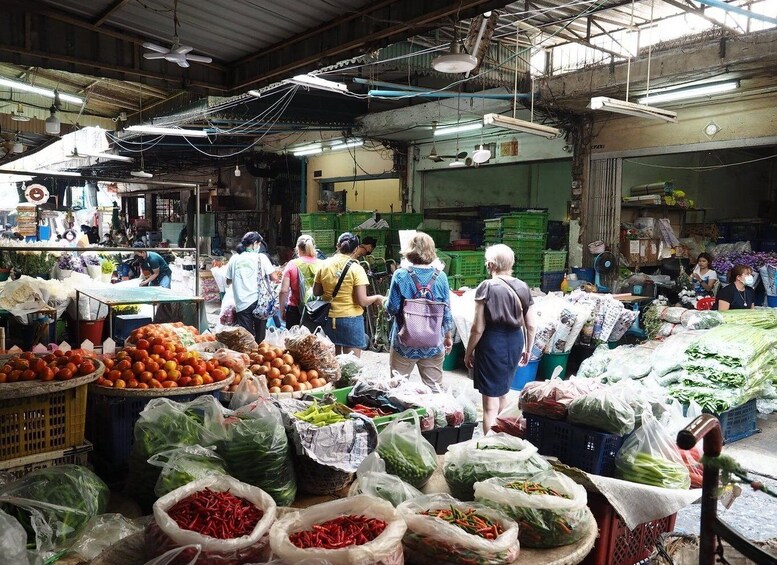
345, 326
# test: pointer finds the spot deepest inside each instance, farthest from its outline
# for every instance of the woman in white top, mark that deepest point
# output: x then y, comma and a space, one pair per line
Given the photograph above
243, 272
704, 276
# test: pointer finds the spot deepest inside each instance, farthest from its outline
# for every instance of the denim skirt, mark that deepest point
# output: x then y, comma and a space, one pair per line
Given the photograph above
347, 332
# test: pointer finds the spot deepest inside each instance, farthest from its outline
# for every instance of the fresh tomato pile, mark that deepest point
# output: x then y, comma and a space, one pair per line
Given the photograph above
219, 515
59, 366
282, 372
160, 364
171, 332
340, 532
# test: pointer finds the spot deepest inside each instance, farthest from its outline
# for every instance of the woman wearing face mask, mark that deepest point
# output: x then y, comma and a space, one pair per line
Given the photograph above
243, 272
739, 294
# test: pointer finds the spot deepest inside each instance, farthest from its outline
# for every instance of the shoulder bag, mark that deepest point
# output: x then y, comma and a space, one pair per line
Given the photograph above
316, 313
267, 301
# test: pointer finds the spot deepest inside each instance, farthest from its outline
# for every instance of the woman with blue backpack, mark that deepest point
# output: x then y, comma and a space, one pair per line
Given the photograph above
298, 279
419, 300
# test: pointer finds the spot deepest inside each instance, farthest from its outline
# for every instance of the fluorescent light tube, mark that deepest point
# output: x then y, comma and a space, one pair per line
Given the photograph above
109, 156
309, 151
306, 147
521, 125
631, 109
57, 173
457, 129
340, 145
155, 130
669, 95
317, 82
47, 92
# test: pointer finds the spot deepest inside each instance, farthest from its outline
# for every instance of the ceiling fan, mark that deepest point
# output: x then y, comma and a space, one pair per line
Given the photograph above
433, 156
177, 53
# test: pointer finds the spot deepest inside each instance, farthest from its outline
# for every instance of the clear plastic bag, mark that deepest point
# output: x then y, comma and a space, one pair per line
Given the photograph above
257, 452
650, 456
102, 532
702, 319
250, 389
313, 351
406, 453
237, 339
373, 480
164, 534
386, 549
13, 541
448, 412
237, 362
596, 365
470, 410
276, 337
497, 455
671, 354
604, 410
628, 362
350, 369
54, 505
551, 398
510, 421
546, 518
183, 465
228, 311
185, 555
430, 539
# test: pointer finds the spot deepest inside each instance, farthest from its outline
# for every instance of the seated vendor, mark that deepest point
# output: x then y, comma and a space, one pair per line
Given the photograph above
739, 293
703, 276
366, 247
155, 264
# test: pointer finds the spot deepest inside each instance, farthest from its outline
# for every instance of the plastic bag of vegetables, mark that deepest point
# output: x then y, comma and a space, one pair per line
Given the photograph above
604, 410
406, 453
54, 505
13, 541
498, 455
350, 369
163, 425
380, 484
183, 465
257, 452
443, 530
231, 531
295, 539
102, 532
250, 389
649, 456
551, 398
550, 509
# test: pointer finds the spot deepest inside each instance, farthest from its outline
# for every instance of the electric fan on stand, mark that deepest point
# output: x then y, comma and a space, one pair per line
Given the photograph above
604, 264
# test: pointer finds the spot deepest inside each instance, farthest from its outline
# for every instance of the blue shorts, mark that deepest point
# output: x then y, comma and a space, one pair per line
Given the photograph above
347, 332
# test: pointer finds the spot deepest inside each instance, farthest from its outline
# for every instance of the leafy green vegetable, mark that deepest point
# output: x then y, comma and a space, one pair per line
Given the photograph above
186, 464
54, 505
604, 410
652, 470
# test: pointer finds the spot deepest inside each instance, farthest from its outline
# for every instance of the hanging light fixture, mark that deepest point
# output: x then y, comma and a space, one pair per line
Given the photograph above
52, 122
454, 61
481, 155
19, 115
18, 147
237, 170
142, 172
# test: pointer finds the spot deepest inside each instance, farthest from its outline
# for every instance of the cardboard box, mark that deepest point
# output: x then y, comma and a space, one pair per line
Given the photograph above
640, 251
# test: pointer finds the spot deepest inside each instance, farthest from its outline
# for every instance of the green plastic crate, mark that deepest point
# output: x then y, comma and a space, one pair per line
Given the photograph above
317, 221
349, 221
493, 224
530, 222
405, 221
458, 281
442, 238
524, 236
341, 395
467, 263
529, 259
554, 260
520, 246
324, 239
379, 252
381, 236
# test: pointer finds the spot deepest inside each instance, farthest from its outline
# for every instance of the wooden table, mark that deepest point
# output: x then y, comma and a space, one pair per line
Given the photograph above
632, 299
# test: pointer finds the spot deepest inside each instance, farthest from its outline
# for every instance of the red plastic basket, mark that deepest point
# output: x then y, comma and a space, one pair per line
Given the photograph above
618, 545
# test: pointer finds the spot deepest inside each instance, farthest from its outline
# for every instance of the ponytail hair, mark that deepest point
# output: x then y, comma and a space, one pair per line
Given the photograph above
347, 243
306, 246
248, 239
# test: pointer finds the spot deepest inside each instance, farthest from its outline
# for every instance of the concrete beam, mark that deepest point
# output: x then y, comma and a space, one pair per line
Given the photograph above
743, 56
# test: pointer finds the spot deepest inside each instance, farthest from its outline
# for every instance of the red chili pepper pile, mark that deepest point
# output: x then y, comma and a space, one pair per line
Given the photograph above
340, 532
469, 521
219, 515
371, 412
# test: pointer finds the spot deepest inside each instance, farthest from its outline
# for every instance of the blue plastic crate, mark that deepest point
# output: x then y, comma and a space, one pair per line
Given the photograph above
124, 324
110, 426
740, 422
551, 281
587, 449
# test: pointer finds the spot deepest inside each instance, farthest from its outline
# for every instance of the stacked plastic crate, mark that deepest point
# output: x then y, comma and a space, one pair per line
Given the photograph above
321, 226
554, 263
492, 232
467, 268
526, 234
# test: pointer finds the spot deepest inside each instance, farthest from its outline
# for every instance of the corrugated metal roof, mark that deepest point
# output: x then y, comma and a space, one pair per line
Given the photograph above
227, 30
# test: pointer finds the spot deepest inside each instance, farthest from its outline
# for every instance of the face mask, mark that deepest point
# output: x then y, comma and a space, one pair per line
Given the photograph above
749, 280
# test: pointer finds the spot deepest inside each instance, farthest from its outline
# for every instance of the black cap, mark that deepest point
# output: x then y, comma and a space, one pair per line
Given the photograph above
139, 245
